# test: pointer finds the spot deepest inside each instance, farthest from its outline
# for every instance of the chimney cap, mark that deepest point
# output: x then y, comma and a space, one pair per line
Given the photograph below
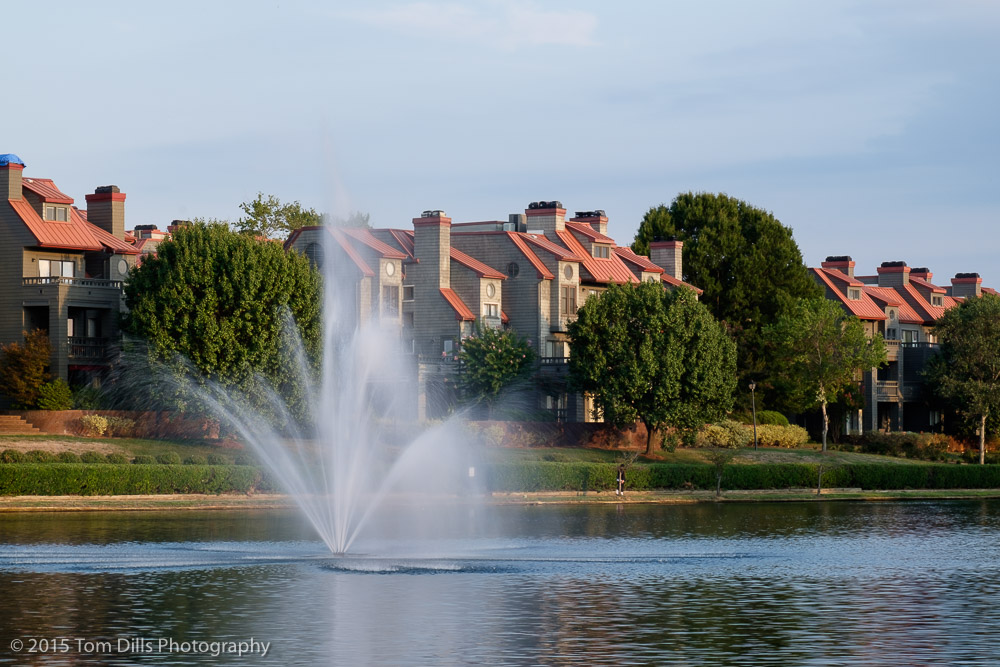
896, 264
967, 275
661, 239
920, 269
839, 258
145, 228
599, 213
545, 204
107, 189
8, 159
433, 213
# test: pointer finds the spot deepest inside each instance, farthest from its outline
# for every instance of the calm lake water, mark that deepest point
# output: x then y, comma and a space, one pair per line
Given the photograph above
912, 583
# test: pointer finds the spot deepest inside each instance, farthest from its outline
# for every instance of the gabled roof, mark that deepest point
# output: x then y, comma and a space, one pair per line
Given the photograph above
864, 308
470, 262
610, 270
889, 297
365, 236
70, 235
47, 190
640, 261
109, 241
462, 312
518, 240
560, 252
586, 230
920, 282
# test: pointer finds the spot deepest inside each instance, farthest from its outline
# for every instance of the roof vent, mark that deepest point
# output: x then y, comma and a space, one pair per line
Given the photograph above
432, 213
545, 204
107, 189
840, 258
967, 275
893, 264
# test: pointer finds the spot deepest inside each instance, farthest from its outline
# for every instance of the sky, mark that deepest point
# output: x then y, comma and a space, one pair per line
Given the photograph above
870, 128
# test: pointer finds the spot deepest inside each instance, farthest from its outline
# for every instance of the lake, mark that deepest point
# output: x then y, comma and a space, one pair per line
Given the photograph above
724, 584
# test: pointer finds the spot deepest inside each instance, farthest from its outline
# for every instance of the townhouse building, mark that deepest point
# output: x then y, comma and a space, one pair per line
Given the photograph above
61, 270
902, 304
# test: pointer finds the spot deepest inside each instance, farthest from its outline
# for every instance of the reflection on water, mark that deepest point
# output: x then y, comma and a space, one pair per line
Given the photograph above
811, 583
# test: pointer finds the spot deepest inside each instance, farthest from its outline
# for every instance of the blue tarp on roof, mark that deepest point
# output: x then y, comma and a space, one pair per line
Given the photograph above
10, 158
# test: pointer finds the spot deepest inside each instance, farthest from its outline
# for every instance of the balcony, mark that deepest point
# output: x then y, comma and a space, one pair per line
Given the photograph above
73, 282
87, 349
888, 390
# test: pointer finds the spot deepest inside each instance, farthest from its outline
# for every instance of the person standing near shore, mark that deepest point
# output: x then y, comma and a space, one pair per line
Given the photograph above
621, 480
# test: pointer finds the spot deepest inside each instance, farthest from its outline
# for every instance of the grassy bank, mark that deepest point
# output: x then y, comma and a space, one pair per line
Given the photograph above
65, 479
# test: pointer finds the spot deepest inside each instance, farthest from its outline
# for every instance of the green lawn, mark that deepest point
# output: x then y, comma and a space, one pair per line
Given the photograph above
131, 446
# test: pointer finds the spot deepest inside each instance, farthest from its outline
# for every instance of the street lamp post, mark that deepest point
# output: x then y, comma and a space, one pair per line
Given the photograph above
753, 404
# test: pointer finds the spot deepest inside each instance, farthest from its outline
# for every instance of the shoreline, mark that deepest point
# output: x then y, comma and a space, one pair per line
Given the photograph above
201, 502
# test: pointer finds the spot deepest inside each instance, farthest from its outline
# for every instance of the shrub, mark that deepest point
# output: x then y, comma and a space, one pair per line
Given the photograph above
169, 458
67, 457
22, 368
245, 460
122, 427
39, 456
92, 457
728, 433
216, 460
116, 458
711, 435
144, 459
772, 417
926, 446
60, 479
12, 456
195, 460
86, 398
55, 395
772, 435
93, 425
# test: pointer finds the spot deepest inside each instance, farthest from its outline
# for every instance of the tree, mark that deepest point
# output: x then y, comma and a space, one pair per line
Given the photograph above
24, 368
966, 373
222, 301
269, 218
823, 352
654, 356
747, 264
491, 361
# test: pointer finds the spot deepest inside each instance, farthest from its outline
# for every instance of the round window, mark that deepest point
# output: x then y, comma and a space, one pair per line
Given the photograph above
892, 314
122, 266
568, 271
314, 252
491, 290
390, 268
513, 269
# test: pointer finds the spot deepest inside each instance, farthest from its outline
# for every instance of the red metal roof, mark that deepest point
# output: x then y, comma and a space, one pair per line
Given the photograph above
462, 311
889, 296
366, 237
611, 270
47, 190
481, 269
346, 246
70, 235
110, 241
562, 253
642, 262
920, 282
518, 240
864, 308
588, 231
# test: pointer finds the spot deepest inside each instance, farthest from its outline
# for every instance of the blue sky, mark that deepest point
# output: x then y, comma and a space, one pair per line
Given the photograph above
868, 127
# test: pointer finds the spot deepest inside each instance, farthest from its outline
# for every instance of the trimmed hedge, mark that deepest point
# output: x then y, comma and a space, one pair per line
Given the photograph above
71, 479
529, 476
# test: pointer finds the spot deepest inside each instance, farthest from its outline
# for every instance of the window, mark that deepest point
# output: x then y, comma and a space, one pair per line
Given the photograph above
55, 268
408, 320
569, 300
314, 253
909, 336
890, 334
602, 251
390, 300
57, 213
492, 310
44, 268
854, 293
407, 292
937, 300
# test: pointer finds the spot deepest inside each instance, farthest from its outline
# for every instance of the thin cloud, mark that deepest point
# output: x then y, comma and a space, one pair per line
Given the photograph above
499, 24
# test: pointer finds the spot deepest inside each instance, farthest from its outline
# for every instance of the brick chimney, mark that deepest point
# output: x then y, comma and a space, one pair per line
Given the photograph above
842, 263
668, 256
921, 272
106, 209
966, 285
597, 220
548, 216
11, 167
432, 249
893, 274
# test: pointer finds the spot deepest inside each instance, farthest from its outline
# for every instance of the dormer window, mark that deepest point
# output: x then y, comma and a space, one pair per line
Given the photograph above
937, 300
602, 251
57, 213
854, 293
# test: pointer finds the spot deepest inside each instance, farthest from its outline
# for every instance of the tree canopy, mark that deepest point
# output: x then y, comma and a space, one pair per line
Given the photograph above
491, 361
747, 264
221, 300
268, 217
24, 368
823, 352
654, 356
966, 374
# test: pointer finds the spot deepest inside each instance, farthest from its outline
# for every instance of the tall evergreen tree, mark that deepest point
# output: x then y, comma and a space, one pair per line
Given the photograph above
749, 268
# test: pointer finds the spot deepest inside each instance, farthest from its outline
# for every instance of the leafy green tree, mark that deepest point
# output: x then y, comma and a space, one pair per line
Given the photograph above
823, 352
747, 264
24, 368
270, 218
654, 356
221, 301
967, 372
491, 361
